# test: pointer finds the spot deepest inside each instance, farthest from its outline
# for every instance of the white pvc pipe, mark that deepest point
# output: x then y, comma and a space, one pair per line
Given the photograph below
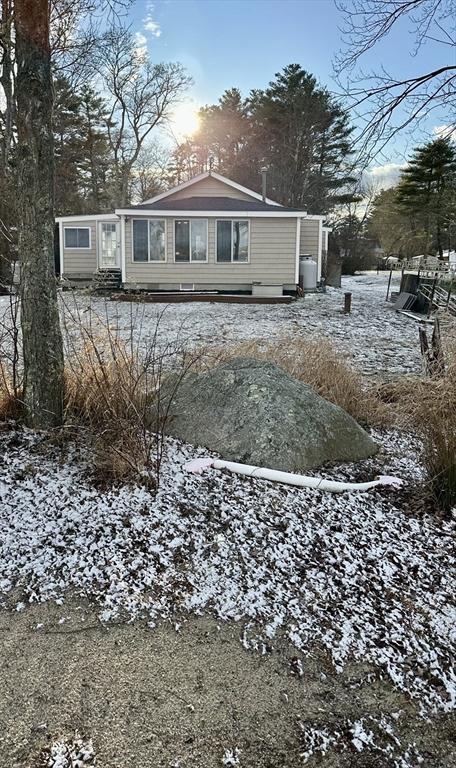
289, 478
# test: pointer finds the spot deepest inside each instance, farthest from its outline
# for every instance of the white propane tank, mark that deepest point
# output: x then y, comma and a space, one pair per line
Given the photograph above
308, 273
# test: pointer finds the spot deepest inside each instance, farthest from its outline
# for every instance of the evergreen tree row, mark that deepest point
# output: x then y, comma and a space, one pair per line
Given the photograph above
83, 163
418, 216
294, 127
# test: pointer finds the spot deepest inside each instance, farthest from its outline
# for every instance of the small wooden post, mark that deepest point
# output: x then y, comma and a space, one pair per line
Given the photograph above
432, 354
450, 289
347, 303
438, 361
424, 346
431, 298
389, 283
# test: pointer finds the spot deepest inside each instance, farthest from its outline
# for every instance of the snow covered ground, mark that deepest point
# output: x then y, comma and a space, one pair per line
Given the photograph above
357, 575
352, 573
381, 342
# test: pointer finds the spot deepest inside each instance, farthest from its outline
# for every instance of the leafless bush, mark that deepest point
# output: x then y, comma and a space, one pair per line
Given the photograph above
11, 382
428, 406
114, 379
114, 389
318, 364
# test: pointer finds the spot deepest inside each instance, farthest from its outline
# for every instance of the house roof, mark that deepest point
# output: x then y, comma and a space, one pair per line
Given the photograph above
215, 204
205, 175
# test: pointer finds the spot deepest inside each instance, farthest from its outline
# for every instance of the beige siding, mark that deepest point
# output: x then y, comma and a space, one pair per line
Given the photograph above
272, 259
311, 240
209, 187
325, 240
309, 237
78, 261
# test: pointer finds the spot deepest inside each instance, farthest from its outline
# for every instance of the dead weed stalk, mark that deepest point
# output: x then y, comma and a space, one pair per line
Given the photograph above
11, 383
428, 406
114, 388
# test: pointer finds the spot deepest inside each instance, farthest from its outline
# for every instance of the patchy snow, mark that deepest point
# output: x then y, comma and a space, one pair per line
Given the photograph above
380, 341
69, 753
231, 756
353, 573
317, 741
374, 734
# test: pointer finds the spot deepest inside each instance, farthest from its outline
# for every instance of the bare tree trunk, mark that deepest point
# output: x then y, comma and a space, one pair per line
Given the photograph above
42, 340
6, 190
6, 78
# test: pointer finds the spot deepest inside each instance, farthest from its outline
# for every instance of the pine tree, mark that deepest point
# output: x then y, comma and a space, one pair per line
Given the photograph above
294, 127
393, 227
96, 160
68, 144
219, 143
427, 191
305, 137
83, 159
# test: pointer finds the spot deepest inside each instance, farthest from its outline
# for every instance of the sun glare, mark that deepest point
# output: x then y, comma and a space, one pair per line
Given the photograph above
184, 120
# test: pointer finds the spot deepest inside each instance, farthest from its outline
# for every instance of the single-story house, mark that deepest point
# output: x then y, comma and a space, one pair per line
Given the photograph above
209, 233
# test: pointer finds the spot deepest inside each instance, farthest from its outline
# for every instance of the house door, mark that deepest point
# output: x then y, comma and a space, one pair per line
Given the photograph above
109, 245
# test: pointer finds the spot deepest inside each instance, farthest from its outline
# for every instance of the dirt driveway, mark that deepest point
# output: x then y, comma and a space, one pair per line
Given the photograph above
189, 698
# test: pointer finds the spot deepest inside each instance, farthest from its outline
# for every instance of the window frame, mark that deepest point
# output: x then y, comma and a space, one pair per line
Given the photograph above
190, 260
77, 247
232, 221
148, 220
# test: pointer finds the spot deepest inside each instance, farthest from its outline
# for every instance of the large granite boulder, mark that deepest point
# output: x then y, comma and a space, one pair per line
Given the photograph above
253, 412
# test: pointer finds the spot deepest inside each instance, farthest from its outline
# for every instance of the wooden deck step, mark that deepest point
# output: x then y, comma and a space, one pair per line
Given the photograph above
219, 298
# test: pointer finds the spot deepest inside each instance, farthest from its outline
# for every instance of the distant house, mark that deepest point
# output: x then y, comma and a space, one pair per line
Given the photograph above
450, 256
208, 233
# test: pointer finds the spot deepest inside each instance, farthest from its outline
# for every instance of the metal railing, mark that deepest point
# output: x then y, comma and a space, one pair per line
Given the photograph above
430, 265
438, 298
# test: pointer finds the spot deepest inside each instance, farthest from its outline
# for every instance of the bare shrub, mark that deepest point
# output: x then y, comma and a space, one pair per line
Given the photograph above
428, 406
318, 364
114, 389
11, 382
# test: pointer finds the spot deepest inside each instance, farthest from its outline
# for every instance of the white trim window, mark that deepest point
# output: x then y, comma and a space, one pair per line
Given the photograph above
149, 240
77, 238
232, 241
190, 240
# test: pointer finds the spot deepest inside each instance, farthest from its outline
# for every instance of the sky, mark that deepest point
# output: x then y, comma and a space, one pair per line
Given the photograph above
243, 43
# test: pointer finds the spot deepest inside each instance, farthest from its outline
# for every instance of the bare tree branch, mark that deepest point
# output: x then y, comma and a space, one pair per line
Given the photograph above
142, 95
384, 103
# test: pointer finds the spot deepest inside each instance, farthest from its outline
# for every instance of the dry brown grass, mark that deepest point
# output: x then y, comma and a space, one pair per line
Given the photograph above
11, 408
428, 406
11, 384
114, 388
318, 364
114, 395
107, 393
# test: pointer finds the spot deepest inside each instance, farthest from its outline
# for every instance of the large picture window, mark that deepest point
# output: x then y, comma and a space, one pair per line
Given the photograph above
190, 240
149, 240
232, 241
77, 237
